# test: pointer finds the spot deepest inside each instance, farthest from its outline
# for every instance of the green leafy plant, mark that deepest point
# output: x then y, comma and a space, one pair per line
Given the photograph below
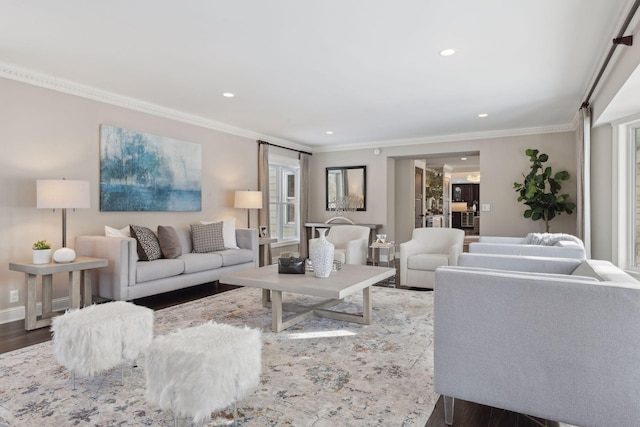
540, 188
41, 245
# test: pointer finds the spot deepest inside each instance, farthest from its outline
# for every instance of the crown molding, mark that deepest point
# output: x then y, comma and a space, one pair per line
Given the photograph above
569, 127
47, 81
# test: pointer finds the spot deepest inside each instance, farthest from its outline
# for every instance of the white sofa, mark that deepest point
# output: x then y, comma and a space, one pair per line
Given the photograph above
127, 278
519, 246
563, 347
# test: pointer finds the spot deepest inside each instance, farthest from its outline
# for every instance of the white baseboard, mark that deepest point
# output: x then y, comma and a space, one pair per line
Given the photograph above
18, 313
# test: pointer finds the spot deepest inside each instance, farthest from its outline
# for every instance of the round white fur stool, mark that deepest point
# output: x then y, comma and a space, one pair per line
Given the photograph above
203, 369
91, 340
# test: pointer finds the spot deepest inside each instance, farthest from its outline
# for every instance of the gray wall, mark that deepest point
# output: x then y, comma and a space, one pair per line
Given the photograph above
46, 134
502, 162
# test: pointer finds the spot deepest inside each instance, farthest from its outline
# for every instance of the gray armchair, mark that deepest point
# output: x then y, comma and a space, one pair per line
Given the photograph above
428, 249
563, 347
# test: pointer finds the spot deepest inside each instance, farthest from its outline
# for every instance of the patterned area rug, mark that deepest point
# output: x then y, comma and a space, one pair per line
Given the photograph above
320, 372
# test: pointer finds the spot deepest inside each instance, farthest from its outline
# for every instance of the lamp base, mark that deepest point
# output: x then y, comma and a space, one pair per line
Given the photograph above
64, 255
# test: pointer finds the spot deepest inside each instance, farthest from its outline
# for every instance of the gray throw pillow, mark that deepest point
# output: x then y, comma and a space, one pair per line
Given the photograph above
148, 245
169, 242
207, 237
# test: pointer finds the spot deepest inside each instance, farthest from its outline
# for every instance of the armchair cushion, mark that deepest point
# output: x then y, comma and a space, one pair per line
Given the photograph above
427, 261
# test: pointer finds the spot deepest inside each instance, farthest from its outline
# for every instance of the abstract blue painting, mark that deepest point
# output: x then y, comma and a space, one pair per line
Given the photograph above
144, 172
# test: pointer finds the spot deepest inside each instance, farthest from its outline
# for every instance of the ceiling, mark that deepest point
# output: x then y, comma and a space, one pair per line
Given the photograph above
367, 70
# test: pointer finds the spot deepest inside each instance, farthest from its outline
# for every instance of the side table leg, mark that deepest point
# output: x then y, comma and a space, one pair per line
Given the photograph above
31, 315
86, 291
47, 295
74, 289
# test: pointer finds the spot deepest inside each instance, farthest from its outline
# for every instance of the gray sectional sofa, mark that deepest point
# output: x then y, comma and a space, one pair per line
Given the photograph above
127, 278
562, 346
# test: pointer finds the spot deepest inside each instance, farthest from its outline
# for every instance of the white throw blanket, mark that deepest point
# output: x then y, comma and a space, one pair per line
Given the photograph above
550, 239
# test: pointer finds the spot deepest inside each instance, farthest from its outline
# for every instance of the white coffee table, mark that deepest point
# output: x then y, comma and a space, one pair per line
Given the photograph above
349, 280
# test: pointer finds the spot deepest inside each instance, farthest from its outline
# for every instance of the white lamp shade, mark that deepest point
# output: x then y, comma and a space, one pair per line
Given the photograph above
62, 193
248, 199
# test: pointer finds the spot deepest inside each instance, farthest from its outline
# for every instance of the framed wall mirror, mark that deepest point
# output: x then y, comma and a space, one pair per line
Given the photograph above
346, 188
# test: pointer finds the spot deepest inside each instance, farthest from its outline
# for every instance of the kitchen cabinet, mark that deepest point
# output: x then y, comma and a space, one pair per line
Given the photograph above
466, 193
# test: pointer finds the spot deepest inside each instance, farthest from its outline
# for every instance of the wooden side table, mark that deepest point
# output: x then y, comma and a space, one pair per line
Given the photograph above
79, 286
264, 246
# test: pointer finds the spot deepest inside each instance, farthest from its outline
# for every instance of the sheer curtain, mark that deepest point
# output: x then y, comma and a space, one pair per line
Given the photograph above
304, 203
583, 196
263, 185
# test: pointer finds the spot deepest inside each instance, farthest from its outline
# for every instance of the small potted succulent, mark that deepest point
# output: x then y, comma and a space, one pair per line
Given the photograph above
41, 252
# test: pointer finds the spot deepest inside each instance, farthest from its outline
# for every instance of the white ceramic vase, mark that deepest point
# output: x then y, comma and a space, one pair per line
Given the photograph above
42, 256
321, 254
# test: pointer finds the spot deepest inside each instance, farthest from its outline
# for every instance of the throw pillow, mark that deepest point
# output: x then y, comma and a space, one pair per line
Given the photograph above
228, 232
169, 242
207, 237
114, 232
148, 245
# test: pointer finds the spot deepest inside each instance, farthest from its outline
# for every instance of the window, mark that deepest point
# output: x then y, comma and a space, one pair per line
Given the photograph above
626, 196
636, 198
284, 177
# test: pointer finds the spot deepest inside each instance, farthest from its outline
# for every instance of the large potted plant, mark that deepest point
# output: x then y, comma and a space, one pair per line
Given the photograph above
540, 188
41, 252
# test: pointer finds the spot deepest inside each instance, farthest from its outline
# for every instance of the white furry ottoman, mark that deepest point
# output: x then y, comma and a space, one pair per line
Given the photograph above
94, 339
200, 370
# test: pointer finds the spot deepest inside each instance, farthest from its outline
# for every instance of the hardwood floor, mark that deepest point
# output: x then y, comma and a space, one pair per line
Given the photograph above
13, 336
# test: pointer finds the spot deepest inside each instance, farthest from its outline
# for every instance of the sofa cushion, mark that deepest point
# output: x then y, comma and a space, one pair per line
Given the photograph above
235, 256
148, 245
228, 232
158, 269
169, 242
207, 237
426, 261
194, 263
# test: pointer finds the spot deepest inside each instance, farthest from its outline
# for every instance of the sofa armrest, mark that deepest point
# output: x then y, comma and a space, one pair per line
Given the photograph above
564, 339
247, 238
574, 251
501, 239
113, 280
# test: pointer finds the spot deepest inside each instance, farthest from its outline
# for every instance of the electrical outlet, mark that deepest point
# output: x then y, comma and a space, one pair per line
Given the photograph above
13, 296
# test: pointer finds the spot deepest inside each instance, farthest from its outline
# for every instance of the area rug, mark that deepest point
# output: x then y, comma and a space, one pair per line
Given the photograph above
320, 372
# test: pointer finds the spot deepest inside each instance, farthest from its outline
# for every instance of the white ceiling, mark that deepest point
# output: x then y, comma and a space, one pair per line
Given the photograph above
368, 70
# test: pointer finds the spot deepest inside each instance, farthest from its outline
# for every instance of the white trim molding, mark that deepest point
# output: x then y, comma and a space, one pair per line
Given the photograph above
13, 314
66, 86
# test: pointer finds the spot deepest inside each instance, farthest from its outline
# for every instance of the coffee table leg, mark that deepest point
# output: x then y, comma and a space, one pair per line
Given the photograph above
367, 305
276, 311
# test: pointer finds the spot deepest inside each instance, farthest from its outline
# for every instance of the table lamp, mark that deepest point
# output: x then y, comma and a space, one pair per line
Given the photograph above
63, 194
248, 200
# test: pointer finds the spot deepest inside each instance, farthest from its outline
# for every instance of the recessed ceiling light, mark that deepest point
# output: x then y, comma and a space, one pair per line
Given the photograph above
228, 95
329, 132
483, 115
463, 158
447, 52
